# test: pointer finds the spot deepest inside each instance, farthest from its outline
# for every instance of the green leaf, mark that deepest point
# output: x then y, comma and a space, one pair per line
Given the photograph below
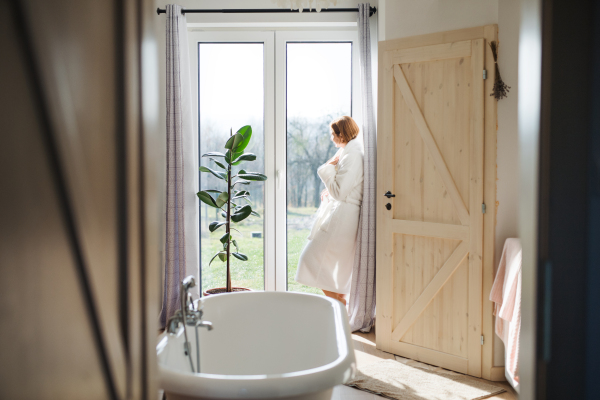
212, 191
235, 244
241, 214
253, 176
240, 256
225, 238
213, 154
218, 174
255, 214
229, 142
228, 157
207, 198
222, 256
245, 157
216, 225
233, 142
218, 163
246, 133
222, 199
224, 214
241, 182
240, 195
235, 156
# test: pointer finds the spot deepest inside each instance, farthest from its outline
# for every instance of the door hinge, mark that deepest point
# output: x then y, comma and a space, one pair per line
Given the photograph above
485, 74
483, 208
482, 340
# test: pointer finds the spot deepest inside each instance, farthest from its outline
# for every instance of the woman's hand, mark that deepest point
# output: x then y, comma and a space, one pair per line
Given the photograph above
324, 193
334, 160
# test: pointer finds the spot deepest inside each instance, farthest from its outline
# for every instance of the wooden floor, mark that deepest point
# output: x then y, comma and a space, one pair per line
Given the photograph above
366, 353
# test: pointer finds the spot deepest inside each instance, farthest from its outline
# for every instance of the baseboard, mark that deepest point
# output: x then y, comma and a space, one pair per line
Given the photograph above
497, 374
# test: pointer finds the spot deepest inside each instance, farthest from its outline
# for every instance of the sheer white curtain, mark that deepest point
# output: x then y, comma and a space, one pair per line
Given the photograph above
181, 239
362, 295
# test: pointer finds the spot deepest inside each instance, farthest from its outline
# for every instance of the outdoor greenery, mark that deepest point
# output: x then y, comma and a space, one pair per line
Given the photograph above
250, 274
232, 212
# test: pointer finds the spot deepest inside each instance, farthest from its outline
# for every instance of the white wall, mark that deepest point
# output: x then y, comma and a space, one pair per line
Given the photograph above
507, 187
404, 18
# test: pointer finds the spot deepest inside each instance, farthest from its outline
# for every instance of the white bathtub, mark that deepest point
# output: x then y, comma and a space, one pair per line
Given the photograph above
264, 345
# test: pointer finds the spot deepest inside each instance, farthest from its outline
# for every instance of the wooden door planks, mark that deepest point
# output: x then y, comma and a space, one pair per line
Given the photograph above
431, 145
431, 290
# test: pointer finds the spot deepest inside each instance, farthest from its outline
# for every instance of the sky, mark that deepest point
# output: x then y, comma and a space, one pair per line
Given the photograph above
232, 82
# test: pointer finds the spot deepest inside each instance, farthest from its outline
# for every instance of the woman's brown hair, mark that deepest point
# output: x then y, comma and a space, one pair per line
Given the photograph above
345, 129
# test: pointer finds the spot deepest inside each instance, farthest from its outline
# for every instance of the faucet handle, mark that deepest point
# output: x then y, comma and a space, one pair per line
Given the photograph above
173, 322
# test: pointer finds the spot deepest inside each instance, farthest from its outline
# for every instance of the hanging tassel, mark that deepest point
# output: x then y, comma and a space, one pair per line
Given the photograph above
500, 88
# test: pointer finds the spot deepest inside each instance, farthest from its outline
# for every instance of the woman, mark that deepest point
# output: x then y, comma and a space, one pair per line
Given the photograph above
327, 259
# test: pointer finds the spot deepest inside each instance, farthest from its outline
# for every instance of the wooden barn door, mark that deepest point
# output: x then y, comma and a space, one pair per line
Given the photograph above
430, 235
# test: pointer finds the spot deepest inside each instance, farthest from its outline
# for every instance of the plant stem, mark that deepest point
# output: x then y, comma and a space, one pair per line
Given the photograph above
229, 220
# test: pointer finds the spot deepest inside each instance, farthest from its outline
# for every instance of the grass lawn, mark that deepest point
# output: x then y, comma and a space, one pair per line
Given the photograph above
251, 273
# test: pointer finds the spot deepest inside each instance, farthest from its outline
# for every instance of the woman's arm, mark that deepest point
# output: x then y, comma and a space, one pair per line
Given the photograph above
341, 182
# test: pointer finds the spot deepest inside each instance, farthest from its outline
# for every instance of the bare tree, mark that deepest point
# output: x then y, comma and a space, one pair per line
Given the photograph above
309, 146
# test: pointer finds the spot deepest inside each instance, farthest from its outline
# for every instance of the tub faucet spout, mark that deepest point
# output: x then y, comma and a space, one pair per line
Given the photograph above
205, 324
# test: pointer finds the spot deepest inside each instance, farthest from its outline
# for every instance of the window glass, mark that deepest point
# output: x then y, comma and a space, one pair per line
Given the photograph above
319, 90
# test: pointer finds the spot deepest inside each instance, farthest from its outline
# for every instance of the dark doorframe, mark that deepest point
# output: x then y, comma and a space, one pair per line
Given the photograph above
568, 281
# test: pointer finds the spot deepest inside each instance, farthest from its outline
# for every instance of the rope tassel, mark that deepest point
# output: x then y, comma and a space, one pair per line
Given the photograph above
500, 89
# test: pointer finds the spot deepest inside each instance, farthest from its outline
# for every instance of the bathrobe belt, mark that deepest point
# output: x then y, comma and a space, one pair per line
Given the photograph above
325, 213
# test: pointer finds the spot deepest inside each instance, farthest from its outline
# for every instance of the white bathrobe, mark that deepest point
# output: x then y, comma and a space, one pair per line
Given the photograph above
328, 258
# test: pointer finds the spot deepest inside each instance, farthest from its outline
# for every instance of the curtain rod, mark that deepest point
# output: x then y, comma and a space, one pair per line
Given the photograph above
372, 10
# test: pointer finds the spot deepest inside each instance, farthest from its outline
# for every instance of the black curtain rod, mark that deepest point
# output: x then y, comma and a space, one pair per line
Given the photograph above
372, 10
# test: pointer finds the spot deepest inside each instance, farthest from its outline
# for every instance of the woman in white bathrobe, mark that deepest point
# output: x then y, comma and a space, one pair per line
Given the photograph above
327, 259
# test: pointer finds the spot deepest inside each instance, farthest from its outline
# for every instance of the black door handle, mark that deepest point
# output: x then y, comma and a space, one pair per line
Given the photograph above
389, 194
388, 206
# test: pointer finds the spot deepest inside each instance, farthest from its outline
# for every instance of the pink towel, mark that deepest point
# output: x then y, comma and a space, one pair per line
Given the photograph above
506, 295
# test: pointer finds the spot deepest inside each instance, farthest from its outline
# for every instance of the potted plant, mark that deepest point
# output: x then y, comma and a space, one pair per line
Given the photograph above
234, 203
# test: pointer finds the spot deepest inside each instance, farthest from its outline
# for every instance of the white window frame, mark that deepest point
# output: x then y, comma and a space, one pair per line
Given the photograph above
275, 129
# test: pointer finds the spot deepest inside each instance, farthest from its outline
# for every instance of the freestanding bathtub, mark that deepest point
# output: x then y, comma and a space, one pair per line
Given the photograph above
264, 345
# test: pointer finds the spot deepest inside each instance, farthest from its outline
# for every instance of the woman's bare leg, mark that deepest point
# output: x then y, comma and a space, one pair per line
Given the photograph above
338, 296
330, 294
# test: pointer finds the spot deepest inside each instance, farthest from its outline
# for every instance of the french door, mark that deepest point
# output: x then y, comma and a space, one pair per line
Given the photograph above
288, 85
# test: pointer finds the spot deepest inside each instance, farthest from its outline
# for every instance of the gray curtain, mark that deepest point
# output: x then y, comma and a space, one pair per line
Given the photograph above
181, 238
362, 295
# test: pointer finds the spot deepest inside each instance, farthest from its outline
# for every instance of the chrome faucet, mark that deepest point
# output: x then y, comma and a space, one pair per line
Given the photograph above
188, 315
